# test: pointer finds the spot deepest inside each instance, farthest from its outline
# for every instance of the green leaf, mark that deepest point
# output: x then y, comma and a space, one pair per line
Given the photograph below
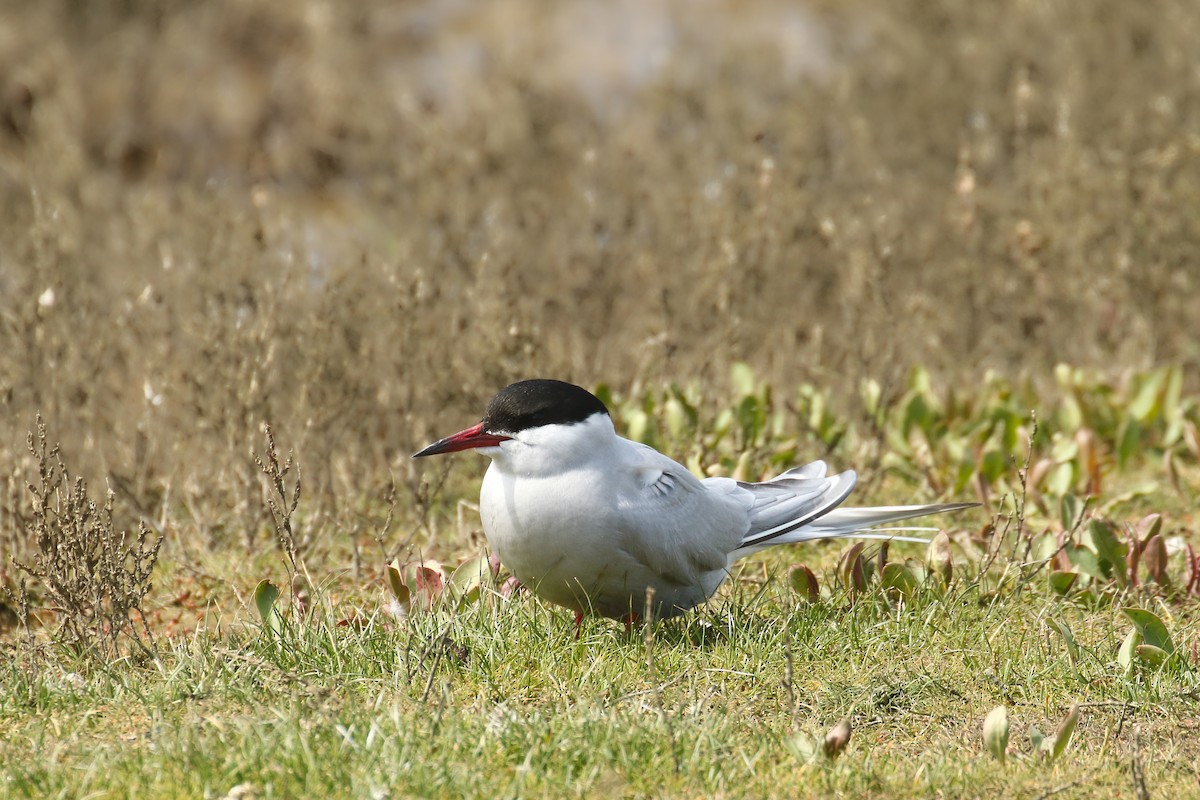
676, 417
1129, 439
804, 747
1064, 376
1060, 479
470, 596
1061, 582
995, 732
1151, 628
1128, 650
1171, 409
1145, 404
1130, 494
265, 595
1068, 637
604, 394
1154, 656
1085, 561
804, 583
1066, 729
689, 408
897, 580
467, 579
1064, 448
741, 471
916, 569
916, 415
1037, 739
1071, 414
1069, 510
637, 425
870, 392
1109, 550
1045, 546
993, 465
751, 418
920, 383
721, 428
742, 377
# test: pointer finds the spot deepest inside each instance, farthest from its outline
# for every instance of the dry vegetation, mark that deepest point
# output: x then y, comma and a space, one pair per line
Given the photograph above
354, 222
357, 223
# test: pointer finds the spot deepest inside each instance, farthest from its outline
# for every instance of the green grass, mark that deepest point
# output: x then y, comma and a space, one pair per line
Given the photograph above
866, 231
496, 696
501, 700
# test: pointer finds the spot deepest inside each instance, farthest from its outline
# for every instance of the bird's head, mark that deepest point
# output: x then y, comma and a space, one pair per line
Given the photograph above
545, 417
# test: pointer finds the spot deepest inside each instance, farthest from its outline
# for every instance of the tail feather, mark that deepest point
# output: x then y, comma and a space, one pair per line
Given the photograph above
856, 523
841, 521
803, 503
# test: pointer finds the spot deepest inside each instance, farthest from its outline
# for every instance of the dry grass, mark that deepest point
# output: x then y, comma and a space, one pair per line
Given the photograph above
94, 576
358, 223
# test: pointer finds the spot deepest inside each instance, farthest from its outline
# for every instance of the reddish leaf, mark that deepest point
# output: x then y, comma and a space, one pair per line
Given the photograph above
430, 580
1133, 557
1155, 557
1062, 561
1148, 526
1193, 571
301, 593
837, 739
850, 569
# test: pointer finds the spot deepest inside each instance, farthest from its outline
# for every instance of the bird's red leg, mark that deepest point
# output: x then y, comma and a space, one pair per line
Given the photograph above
578, 624
631, 619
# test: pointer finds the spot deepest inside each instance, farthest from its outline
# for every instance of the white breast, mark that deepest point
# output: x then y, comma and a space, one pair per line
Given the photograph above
593, 521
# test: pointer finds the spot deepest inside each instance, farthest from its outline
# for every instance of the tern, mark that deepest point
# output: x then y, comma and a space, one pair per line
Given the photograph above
591, 521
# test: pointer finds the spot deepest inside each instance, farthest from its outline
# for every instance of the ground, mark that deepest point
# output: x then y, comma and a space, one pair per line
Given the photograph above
949, 245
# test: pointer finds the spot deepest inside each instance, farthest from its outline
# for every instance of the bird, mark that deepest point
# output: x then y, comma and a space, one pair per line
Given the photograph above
591, 521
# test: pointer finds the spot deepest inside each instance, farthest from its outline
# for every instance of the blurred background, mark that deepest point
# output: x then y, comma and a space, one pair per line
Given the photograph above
358, 220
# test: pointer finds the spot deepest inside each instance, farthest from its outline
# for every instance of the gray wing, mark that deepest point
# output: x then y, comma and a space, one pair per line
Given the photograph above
679, 527
794, 499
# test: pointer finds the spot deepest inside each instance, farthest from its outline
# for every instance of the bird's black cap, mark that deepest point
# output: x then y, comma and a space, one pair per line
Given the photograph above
533, 403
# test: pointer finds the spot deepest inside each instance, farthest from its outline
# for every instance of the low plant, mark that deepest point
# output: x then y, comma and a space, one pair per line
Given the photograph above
1044, 747
94, 577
